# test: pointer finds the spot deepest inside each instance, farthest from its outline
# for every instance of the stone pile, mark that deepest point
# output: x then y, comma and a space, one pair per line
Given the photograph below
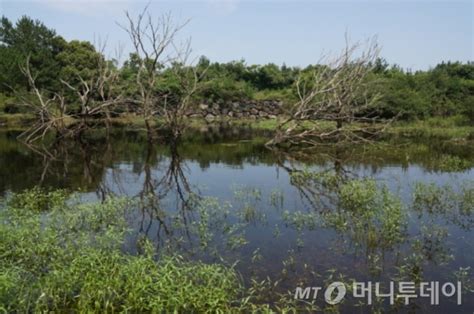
267, 109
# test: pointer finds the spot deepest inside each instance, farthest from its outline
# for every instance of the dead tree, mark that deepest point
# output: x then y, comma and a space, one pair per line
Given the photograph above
96, 95
48, 107
175, 105
339, 91
154, 41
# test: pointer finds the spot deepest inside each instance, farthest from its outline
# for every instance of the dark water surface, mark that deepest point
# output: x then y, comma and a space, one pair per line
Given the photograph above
221, 196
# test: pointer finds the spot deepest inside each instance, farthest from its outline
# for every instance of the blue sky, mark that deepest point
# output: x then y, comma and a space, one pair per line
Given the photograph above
413, 34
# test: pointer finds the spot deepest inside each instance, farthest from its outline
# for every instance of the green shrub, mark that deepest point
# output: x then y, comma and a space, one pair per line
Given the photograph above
37, 199
63, 256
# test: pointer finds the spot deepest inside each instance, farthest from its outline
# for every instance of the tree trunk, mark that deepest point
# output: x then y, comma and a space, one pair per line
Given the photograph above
149, 130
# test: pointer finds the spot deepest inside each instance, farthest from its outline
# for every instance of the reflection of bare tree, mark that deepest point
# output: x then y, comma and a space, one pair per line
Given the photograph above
157, 194
74, 162
104, 189
358, 230
376, 231
48, 155
166, 198
311, 185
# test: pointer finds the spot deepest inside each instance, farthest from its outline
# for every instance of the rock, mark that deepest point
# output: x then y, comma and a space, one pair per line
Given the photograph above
269, 109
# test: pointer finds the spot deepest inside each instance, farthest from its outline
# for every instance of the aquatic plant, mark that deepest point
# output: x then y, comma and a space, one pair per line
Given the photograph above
300, 220
65, 256
450, 163
454, 205
276, 198
37, 199
371, 216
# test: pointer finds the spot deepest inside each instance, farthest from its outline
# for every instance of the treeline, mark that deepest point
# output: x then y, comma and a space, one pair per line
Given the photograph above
445, 90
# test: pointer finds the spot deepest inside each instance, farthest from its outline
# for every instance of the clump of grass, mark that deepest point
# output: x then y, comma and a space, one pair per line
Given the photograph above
447, 122
431, 198
300, 220
369, 214
449, 163
111, 281
375, 216
434, 128
37, 200
455, 206
16, 120
60, 255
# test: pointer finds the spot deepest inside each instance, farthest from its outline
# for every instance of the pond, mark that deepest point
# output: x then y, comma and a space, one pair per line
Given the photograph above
222, 196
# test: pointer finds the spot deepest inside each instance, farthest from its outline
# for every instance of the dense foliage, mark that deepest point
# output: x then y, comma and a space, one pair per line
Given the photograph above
445, 90
76, 263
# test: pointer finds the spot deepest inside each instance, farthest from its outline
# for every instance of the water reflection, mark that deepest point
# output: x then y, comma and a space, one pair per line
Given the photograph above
299, 219
155, 192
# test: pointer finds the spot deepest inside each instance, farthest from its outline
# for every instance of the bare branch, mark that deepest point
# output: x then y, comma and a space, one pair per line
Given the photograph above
154, 44
338, 91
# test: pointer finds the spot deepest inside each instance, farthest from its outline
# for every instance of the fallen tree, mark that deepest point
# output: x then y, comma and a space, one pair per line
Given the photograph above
339, 91
95, 93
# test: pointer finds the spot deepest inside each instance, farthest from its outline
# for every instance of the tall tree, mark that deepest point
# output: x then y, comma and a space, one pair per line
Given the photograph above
28, 38
157, 55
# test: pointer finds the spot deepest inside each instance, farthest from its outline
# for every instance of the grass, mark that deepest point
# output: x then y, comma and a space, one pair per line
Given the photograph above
450, 128
370, 215
15, 120
428, 197
63, 256
59, 254
134, 121
453, 128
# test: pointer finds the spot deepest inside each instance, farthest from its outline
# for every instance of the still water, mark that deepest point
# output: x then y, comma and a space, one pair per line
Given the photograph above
222, 196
